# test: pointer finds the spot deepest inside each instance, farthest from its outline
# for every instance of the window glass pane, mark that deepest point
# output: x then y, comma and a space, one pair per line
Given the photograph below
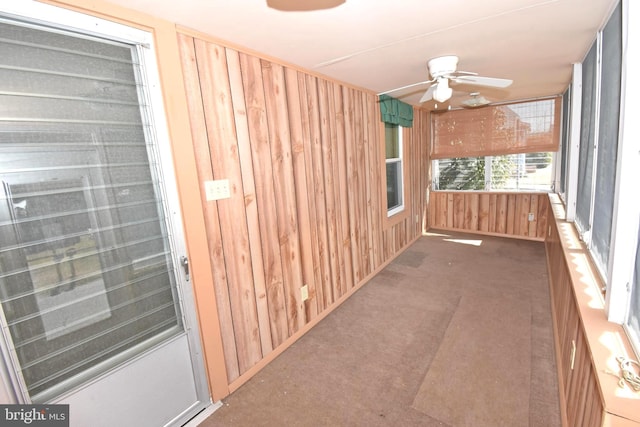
394, 185
633, 320
609, 118
85, 265
587, 140
392, 143
512, 172
465, 173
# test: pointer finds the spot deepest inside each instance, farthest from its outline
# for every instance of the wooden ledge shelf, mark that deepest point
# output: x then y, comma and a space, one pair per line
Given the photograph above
587, 344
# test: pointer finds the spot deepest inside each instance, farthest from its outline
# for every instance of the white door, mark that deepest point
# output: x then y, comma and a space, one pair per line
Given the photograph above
96, 310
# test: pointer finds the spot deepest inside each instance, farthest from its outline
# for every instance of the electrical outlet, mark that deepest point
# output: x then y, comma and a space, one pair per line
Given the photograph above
216, 190
304, 292
531, 216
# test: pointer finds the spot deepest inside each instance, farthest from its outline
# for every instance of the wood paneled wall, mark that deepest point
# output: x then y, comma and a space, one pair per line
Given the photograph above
503, 214
308, 203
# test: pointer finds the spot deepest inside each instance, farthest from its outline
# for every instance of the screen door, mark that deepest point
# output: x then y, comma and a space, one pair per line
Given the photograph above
89, 283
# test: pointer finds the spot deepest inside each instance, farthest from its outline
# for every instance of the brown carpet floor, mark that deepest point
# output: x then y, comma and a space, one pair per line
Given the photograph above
456, 331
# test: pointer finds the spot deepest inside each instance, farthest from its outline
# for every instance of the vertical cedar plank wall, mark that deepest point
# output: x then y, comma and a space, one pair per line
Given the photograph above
505, 214
302, 155
578, 384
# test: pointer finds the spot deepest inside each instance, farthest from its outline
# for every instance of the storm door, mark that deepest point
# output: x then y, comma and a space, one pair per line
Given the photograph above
90, 285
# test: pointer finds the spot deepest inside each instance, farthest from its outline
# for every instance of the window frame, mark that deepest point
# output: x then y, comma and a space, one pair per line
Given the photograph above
399, 131
619, 279
392, 217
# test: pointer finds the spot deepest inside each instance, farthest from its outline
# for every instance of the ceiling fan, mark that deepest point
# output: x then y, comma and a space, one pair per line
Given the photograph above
443, 70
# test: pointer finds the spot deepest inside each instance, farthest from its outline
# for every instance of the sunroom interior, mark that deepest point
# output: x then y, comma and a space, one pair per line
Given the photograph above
296, 173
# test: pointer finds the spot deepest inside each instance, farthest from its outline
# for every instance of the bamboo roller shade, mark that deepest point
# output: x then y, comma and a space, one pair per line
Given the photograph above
525, 127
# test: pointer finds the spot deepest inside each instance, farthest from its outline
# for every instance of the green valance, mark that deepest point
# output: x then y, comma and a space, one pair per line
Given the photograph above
396, 112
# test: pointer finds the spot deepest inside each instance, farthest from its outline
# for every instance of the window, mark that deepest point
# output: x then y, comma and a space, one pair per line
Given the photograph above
511, 172
598, 153
507, 147
607, 168
394, 166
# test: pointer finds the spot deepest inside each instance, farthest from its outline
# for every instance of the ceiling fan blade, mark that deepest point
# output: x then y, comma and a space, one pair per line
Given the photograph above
405, 87
428, 95
483, 81
460, 74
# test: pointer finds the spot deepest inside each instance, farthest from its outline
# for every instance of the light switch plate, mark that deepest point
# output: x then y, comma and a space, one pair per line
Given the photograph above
217, 190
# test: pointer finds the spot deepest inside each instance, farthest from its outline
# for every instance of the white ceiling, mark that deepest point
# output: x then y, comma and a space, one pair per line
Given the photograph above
382, 44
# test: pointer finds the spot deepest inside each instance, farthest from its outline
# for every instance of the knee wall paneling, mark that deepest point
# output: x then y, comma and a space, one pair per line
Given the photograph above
302, 156
586, 343
505, 214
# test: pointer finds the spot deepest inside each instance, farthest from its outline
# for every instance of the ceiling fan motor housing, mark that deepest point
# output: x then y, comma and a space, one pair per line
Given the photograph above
442, 66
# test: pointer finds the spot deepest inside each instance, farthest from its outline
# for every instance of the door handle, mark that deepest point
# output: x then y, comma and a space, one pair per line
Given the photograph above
184, 262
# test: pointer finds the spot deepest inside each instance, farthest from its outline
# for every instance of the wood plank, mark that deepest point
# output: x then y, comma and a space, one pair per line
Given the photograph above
335, 92
450, 223
501, 215
251, 206
523, 202
366, 168
511, 214
378, 207
471, 207
265, 192
484, 211
205, 173
319, 191
352, 176
493, 212
543, 217
301, 187
533, 208
443, 210
332, 288
313, 303
216, 97
361, 195
285, 189
458, 210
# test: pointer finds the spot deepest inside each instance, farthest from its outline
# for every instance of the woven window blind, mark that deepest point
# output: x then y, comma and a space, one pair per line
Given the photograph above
525, 127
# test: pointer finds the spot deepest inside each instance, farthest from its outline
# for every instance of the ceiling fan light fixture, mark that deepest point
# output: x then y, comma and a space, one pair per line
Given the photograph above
443, 92
475, 101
